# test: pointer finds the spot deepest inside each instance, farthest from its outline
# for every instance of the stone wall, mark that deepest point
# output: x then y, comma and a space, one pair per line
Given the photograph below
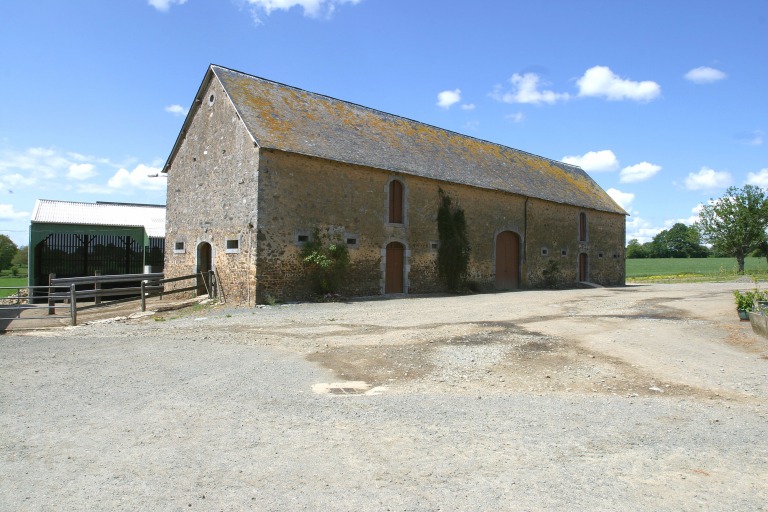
212, 197
299, 193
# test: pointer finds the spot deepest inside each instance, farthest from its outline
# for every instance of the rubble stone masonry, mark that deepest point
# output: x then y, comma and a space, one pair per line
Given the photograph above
225, 191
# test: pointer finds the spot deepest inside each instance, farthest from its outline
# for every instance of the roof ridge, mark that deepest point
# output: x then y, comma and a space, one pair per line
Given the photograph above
378, 111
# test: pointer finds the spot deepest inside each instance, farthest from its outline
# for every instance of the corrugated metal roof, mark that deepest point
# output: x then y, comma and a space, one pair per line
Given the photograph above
285, 118
151, 217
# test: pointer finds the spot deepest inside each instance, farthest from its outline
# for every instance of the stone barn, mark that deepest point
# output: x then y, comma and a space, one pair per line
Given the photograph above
259, 166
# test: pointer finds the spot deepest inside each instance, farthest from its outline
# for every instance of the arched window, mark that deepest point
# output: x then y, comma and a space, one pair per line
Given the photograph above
395, 202
582, 227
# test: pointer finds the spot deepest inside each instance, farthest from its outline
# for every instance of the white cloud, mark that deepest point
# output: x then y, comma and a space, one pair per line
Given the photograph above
754, 138
176, 110
600, 81
596, 161
164, 5
517, 117
704, 75
32, 165
693, 218
759, 178
446, 99
641, 230
81, 171
624, 199
51, 168
7, 213
708, 179
525, 89
311, 8
138, 178
16, 180
638, 172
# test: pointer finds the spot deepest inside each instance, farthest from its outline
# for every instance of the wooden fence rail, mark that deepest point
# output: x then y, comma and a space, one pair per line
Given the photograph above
140, 286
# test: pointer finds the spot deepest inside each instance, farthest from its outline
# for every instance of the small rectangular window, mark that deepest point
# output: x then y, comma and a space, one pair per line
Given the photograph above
600, 255
564, 252
544, 251
352, 240
179, 247
233, 245
434, 245
302, 239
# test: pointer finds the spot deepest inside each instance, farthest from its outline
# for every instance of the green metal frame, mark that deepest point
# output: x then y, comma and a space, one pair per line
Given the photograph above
39, 231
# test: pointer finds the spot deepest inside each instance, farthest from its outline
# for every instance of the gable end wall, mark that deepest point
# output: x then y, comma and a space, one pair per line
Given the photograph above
212, 196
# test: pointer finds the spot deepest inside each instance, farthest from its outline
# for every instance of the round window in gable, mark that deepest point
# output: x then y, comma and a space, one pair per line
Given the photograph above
211, 99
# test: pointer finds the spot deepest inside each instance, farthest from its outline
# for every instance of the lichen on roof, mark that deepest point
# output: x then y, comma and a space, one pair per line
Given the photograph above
293, 120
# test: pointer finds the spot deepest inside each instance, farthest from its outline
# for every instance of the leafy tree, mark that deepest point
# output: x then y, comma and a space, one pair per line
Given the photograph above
21, 256
735, 224
680, 241
8, 250
453, 251
637, 250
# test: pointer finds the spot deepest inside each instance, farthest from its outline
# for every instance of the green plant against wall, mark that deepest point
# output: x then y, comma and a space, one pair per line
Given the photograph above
454, 250
553, 274
326, 258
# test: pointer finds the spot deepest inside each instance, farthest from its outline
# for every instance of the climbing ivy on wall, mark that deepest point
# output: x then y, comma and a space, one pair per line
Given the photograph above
326, 260
453, 251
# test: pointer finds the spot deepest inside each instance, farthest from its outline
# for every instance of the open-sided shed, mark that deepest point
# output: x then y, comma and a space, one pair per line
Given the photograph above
73, 239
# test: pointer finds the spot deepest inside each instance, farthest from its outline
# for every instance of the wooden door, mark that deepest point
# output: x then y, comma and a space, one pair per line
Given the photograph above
395, 268
507, 261
204, 265
583, 267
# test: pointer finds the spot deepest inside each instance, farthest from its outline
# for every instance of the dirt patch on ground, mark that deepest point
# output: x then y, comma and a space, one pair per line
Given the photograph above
501, 357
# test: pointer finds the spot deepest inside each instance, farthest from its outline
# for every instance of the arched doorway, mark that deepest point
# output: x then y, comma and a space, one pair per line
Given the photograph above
204, 266
583, 267
507, 261
394, 272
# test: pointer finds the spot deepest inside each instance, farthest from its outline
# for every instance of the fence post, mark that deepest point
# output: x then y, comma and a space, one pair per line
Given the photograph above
51, 302
213, 292
143, 297
97, 288
72, 304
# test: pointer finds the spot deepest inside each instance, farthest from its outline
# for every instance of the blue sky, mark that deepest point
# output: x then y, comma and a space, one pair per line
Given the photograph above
663, 102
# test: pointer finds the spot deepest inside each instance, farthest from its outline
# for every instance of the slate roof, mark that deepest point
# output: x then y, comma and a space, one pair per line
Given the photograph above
150, 217
289, 119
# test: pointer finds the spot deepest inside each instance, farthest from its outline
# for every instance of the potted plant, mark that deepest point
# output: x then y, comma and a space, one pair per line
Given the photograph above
745, 302
761, 300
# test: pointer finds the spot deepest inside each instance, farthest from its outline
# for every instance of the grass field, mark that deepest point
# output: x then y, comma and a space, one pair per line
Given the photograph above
11, 281
692, 269
6, 279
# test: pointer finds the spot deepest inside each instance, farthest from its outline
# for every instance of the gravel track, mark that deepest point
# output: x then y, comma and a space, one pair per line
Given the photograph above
645, 397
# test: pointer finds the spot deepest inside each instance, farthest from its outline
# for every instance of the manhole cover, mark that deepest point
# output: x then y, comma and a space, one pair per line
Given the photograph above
344, 388
345, 391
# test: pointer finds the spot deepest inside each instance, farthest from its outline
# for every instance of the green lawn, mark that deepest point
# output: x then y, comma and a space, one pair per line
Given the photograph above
693, 269
8, 279
11, 281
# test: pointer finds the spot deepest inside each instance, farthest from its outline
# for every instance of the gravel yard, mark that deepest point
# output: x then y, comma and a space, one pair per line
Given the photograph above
649, 397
